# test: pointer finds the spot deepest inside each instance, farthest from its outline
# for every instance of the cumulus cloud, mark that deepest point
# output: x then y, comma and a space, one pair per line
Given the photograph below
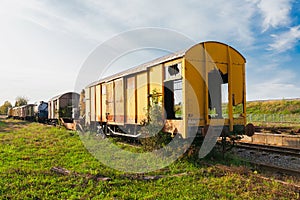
285, 40
55, 29
228, 21
272, 84
275, 13
266, 91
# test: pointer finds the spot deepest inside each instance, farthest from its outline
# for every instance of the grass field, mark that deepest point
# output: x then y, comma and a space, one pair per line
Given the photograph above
29, 151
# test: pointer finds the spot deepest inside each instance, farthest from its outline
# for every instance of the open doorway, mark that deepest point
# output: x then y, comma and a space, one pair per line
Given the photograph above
217, 84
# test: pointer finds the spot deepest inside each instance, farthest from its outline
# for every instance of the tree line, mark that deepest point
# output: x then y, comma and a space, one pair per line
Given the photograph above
20, 101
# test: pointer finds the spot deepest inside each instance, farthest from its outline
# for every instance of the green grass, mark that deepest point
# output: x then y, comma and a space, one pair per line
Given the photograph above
269, 107
2, 124
29, 151
274, 107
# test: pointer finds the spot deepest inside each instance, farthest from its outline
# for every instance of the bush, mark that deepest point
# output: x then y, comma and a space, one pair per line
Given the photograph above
152, 133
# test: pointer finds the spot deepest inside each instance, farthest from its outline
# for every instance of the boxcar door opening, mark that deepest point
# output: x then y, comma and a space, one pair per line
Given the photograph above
215, 81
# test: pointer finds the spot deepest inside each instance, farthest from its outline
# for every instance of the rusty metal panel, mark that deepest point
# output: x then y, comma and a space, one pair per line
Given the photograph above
237, 84
87, 106
110, 102
156, 80
103, 102
55, 110
49, 109
93, 103
194, 89
23, 111
131, 100
119, 101
29, 110
142, 93
98, 103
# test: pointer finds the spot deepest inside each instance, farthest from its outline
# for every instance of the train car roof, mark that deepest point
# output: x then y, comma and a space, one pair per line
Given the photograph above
144, 66
59, 96
31, 104
141, 67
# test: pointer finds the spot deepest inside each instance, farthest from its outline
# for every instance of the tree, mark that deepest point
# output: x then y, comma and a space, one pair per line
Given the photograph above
21, 101
4, 107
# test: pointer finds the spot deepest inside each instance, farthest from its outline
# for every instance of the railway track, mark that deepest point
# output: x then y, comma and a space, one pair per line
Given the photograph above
276, 169
279, 160
269, 148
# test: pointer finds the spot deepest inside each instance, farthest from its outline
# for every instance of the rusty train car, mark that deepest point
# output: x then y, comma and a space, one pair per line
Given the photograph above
190, 84
25, 112
64, 108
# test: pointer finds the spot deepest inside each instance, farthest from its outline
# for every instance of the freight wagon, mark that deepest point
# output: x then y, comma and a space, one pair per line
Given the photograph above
25, 112
63, 107
190, 85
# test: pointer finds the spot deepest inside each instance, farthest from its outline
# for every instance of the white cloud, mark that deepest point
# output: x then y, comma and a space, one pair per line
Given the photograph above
273, 84
228, 21
275, 13
286, 40
273, 91
60, 34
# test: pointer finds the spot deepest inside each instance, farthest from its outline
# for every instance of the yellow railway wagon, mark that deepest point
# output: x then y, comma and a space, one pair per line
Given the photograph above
199, 87
64, 106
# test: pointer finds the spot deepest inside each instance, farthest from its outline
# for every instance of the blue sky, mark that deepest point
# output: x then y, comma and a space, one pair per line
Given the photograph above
45, 43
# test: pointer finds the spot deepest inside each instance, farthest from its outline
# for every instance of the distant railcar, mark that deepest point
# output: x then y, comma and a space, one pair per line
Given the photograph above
18, 112
29, 112
63, 106
190, 85
9, 113
41, 112
22, 112
15, 112
25, 112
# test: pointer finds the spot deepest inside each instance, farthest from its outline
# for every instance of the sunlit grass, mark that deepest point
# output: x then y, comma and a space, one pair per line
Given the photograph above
29, 151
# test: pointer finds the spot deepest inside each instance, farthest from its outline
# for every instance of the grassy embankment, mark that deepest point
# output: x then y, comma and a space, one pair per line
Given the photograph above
274, 107
272, 112
29, 150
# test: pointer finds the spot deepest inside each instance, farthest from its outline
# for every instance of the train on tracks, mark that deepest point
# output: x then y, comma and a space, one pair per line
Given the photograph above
62, 108
189, 85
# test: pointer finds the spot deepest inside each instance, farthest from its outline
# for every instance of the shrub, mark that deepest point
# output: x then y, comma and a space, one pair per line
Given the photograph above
152, 133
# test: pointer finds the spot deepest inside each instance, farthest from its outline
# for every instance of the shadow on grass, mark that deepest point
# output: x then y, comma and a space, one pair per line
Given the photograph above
10, 125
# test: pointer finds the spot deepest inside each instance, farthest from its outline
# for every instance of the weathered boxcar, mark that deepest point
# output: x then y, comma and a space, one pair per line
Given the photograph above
63, 106
25, 112
22, 112
190, 85
15, 112
29, 111
9, 112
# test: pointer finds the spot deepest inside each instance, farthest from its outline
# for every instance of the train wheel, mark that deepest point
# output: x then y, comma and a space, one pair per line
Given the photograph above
249, 129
